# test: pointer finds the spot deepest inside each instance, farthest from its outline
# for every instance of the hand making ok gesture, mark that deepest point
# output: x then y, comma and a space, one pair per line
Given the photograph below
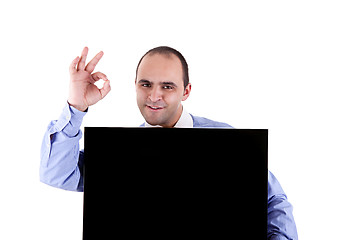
83, 92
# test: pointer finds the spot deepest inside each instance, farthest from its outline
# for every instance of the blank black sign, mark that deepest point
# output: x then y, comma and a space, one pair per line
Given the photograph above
165, 183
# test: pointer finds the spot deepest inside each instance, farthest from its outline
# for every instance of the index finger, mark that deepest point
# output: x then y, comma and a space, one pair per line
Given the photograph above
92, 64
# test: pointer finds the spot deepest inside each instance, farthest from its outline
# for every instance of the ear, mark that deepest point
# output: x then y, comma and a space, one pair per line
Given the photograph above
186, 92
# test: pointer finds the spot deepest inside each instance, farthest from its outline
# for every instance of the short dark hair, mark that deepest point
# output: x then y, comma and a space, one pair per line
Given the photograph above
164, 50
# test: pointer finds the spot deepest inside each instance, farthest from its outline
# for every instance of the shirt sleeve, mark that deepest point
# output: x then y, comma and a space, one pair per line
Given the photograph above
281, 224
60, 155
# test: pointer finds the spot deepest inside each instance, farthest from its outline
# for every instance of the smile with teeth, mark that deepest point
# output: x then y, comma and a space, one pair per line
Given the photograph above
155, 108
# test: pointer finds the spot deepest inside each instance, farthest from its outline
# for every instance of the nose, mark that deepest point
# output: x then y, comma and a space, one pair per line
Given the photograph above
155, 95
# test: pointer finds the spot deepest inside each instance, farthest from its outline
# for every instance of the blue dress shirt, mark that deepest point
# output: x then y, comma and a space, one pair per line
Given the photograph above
62, 161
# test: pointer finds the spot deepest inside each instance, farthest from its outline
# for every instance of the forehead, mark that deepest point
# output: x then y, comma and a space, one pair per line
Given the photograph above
160, 67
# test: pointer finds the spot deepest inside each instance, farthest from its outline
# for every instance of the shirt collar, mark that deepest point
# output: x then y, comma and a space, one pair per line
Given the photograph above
185, 121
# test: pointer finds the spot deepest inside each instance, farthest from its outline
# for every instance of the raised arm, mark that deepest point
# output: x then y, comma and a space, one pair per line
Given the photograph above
61, 160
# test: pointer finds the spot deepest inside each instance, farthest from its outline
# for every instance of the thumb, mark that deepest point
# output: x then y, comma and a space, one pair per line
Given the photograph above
105, 89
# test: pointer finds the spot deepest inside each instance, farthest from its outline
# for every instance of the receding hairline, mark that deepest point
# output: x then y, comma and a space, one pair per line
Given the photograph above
169, 53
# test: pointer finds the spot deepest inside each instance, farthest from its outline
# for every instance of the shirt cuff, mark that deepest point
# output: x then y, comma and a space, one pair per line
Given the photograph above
69, 121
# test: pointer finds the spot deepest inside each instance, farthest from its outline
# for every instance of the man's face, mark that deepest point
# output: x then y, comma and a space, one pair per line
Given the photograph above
160, 89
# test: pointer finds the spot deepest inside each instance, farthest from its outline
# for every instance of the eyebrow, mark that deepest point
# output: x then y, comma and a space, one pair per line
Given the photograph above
169, 83
144, 81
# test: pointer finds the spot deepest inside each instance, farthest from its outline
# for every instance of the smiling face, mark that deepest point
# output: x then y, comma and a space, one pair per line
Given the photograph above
160, 89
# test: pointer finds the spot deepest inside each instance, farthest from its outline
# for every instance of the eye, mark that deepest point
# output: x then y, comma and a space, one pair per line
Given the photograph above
168, 87
146, 85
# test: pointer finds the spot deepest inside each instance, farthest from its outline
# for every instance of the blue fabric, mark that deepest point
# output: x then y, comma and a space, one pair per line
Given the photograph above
200, 122
61, 167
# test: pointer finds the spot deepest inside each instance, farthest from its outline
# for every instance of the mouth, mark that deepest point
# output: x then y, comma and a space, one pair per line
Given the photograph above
154, 108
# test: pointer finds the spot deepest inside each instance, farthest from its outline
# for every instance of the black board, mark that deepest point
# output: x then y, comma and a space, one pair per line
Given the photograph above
175, 183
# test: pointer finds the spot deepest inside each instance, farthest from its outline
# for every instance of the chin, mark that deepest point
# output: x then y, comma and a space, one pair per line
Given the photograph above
157, 118
154, 121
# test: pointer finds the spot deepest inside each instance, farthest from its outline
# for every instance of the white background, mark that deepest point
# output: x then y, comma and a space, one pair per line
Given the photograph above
289, 66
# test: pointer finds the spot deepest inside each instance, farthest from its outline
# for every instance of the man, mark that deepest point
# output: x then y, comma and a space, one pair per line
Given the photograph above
162, 83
